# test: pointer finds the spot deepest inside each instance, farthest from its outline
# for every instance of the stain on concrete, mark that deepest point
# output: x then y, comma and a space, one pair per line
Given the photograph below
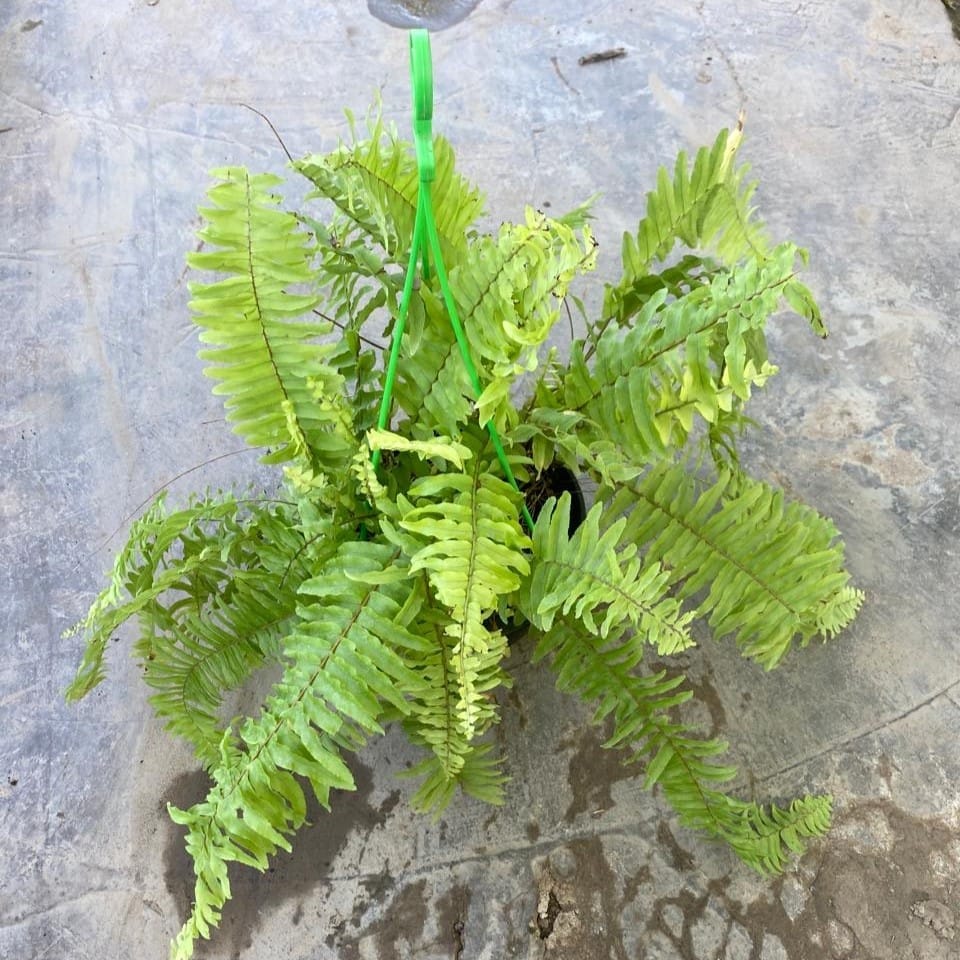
592, 771
634, 883
873, 884
453, 918
375, 890
578, 910
705, 693
291, 876
396, 930
680, 859
871, 891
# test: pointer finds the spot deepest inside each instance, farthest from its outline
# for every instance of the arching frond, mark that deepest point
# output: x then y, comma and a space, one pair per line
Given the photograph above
772, 571
343, 664
684, 765
142, 573
435, 721
211, 645
480, 776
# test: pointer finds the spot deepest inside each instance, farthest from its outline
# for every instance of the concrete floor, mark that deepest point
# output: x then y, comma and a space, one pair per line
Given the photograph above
110, 115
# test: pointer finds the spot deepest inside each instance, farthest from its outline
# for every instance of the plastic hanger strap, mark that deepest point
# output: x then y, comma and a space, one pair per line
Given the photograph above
427, 239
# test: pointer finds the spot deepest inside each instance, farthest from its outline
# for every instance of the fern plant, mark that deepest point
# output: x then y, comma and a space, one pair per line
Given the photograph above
379, 574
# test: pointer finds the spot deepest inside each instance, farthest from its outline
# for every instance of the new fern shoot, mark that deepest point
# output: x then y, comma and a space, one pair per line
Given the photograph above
373, 590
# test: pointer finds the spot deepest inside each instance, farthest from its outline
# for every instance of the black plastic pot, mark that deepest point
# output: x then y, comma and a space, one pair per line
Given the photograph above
554, 481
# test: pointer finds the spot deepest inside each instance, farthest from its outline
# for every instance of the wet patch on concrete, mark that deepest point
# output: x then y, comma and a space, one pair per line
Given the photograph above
592, 771
453, 918
394, 933
882, 886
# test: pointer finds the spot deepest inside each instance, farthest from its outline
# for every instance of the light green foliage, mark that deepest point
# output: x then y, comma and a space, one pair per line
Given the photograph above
379, 594
700, 354
509, 290
263, 361
601, 581
772, 570
468, 540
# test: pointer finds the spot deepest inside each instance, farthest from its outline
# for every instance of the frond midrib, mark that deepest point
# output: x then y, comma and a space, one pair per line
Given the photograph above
261, 323
717, 550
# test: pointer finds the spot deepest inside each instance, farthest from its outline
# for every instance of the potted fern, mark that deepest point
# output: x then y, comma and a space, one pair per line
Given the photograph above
377, 574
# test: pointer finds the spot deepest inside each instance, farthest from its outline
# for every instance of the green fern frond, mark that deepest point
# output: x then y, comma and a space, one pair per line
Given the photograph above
373, 183
343, 663
772, 571
433, 388
438, 448
267, 365
684, 765
470, 543
764, 837
622, 302
704, 207
699, 355
596, 579
603, 671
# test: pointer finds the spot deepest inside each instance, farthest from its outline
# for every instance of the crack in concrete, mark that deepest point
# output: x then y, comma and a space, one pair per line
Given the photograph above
722, 53
459, 928
547, 918
12, 923
563, 79
860, 735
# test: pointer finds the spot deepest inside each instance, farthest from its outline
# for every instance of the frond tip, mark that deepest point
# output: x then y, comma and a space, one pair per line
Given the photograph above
765, 837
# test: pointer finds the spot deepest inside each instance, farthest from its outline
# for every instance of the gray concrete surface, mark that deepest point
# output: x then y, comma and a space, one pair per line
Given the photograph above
111, 113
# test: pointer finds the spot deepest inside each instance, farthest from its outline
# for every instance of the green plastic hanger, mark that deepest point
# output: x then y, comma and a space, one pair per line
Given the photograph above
426, 244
